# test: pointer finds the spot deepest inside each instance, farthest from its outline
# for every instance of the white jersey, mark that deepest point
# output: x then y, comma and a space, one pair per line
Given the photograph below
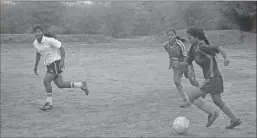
48, 48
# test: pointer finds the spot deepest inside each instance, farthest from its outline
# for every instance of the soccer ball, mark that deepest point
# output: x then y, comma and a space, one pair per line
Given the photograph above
180, 125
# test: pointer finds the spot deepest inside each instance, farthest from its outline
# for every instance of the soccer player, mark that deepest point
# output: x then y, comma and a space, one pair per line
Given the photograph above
177, 54
47, 46
204, 55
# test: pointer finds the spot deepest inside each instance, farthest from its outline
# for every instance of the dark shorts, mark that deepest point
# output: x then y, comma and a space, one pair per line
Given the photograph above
213, 85
179, 72
54, 68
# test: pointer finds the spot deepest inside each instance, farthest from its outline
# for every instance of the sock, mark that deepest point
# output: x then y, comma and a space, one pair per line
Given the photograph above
76, 84
229, 113
204, 106
183, 94
49, 98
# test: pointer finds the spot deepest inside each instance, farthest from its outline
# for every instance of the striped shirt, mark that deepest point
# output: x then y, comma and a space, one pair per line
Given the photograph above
203, 55
176, 50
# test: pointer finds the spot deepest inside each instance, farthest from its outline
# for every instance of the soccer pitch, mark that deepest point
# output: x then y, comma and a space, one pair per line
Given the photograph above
132, 93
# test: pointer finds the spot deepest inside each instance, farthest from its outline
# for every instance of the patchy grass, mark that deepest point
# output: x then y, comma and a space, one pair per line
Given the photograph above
132, 93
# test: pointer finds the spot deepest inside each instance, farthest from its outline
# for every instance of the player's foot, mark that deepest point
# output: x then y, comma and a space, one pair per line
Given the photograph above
46, 106
84, 87
212, 117
185, 104
233, 124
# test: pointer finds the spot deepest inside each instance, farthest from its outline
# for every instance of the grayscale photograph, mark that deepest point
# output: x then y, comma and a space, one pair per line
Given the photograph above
128, 68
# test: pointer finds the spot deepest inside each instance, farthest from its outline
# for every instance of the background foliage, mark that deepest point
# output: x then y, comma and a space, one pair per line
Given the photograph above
123, 19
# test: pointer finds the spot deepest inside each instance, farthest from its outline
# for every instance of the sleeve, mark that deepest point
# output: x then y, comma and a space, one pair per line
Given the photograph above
183, 49
209, 48
190, 57
54, 42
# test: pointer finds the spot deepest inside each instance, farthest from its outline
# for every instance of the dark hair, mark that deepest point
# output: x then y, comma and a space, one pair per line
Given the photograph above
43, 30
38, 26
174, 31
199, 33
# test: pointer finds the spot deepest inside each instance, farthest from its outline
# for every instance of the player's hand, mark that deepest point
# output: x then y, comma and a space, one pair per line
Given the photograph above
191, 74
193, 81
226, 62
170, 67
61, 65
35, 70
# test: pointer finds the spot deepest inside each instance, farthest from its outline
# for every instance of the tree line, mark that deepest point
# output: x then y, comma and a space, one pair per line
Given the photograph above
123, 19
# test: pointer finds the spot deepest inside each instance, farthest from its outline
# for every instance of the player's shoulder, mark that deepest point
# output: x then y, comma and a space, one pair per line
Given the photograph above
179, 42
203, 45
34, 42
49, 38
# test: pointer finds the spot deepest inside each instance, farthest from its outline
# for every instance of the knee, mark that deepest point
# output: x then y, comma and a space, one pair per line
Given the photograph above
46, 82
195, 94
58, 84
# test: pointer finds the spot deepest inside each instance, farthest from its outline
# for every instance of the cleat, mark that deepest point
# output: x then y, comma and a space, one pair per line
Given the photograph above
185, 104
234, 124
212, 117
84, 87
46, 107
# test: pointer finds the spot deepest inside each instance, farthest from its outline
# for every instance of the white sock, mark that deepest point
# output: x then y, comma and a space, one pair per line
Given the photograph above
49, 99
77, 84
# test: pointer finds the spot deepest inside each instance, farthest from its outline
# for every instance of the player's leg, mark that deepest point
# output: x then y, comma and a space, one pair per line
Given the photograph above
193, 97
66, 84
204, 106
177, 75
47, 83
198, 102
235, 121
216, 97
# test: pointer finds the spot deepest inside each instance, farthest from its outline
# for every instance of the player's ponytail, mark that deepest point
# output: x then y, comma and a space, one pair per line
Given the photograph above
181, 39
206, 40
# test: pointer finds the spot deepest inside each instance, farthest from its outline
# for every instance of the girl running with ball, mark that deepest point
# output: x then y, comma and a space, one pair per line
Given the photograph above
177, 55
204, 55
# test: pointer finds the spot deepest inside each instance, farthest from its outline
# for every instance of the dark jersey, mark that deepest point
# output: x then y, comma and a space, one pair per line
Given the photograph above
176, 51
204, 56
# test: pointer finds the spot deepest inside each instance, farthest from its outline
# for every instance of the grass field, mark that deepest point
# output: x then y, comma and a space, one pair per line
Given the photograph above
131, 93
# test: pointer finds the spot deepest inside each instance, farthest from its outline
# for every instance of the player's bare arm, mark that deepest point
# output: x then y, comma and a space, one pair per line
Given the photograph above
36, 62
191, 75
165, 47
62, 51
224, 54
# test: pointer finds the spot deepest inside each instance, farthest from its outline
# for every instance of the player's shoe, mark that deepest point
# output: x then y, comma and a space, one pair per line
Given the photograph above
212, 117
84, 87
185, 104
46, 107
233, 124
